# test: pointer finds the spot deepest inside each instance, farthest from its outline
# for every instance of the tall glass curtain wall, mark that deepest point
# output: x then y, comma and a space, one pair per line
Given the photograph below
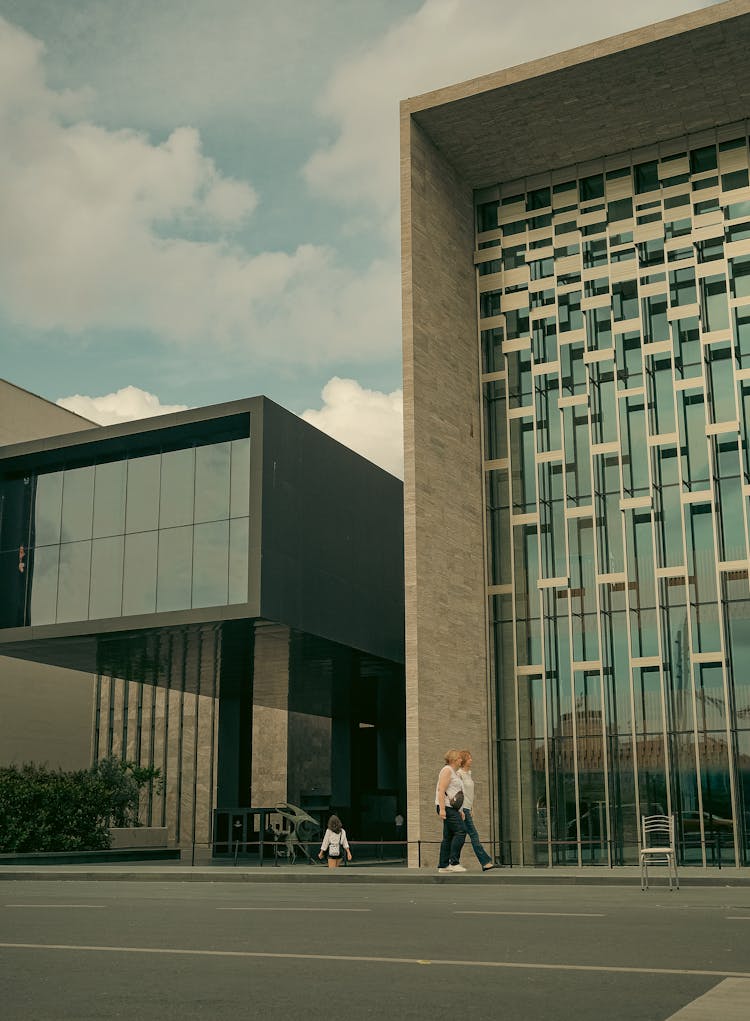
614, 320
149, 533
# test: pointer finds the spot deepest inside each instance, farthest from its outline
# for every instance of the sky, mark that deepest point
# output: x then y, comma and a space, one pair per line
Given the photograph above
199, 201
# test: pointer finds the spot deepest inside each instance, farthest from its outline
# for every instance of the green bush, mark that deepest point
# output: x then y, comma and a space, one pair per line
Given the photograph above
51, 810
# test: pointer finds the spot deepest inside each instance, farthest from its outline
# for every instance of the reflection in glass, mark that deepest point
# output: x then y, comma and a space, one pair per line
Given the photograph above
47, 508
177, 488
238, 559
212, 467
143, 494
73, 586
77, 504
239, 505
105, 599
139, 573
44, 570
109, 499
211, 563
174, 577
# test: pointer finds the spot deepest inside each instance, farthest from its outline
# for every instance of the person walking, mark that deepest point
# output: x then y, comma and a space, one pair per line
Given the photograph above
464, 773
449, 797
335, 843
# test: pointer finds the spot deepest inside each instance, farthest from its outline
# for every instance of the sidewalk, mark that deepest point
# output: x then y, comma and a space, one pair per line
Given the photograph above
177, 872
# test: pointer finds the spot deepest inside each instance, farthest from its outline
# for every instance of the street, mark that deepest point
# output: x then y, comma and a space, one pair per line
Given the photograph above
76, 950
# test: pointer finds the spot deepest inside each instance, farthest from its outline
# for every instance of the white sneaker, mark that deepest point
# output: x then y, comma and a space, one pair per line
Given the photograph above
445, 869
455, 868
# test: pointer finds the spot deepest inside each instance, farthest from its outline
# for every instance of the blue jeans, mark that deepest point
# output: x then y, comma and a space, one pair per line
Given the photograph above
479, 851
454, 835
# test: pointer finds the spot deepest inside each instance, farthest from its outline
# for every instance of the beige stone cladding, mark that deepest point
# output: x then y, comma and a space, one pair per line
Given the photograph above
446, 690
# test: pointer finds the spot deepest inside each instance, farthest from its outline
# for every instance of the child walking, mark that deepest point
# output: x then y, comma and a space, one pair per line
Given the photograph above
335, 843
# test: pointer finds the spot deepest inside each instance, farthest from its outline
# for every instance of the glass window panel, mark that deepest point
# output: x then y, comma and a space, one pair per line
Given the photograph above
608, 516
737, 595
177, 488
44, 575
687, 343
569, 311
498, 526
625, 300
635, 455
524, 467
517, 323
77, 504
693, 440
73, 584
739, 274
573, 369
15, 511
487, 216
552, 520
496, 425
603, 403
646, 177
715, 308
742, 336
702, 575
721, 375
668, 507
493, 359
490, 304
577, 454
139, 574
731, 516
109, 499
520, 389
661, 396
703, 160
175, 568
548, 413
47, 509
105, 599
642, 597
143, 495
239, 503
212, 470
655, 319
239, 529
528, 622
211, 564
709, 696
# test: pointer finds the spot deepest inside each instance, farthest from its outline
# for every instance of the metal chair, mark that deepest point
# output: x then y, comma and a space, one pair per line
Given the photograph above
658, 845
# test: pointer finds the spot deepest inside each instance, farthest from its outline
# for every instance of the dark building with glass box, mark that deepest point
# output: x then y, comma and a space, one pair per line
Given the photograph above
234, 580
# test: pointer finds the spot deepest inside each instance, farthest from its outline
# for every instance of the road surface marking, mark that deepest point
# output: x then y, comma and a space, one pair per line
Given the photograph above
360, 959
316, 910
537, 914
738, 918
46, 906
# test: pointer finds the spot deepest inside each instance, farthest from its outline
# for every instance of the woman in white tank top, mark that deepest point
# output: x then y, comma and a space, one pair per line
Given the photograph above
450, 789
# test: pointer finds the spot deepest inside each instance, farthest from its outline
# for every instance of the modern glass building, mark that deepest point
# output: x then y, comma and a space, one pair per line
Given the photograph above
233, 580
602, 369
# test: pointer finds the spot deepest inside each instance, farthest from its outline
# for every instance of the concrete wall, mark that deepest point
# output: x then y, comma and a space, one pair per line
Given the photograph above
45, 712
446, 671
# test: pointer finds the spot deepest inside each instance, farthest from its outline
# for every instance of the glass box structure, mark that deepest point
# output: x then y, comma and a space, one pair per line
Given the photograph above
576, 282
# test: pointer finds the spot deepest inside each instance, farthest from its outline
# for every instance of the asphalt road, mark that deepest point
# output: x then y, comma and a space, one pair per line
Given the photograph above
99, 950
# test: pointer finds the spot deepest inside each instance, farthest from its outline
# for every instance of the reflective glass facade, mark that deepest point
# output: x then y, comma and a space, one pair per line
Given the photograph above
150, 532
614, 329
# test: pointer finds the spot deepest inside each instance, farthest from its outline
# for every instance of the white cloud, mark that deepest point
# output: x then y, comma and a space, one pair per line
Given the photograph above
368, 421
446, 41
99, 233
124, 405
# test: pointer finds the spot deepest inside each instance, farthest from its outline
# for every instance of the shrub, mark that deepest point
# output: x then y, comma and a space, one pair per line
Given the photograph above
52, 810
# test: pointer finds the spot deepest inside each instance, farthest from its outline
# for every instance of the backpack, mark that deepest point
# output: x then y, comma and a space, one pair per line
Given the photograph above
334, 850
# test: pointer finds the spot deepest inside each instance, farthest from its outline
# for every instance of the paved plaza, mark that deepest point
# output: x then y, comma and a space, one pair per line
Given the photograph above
78, 950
